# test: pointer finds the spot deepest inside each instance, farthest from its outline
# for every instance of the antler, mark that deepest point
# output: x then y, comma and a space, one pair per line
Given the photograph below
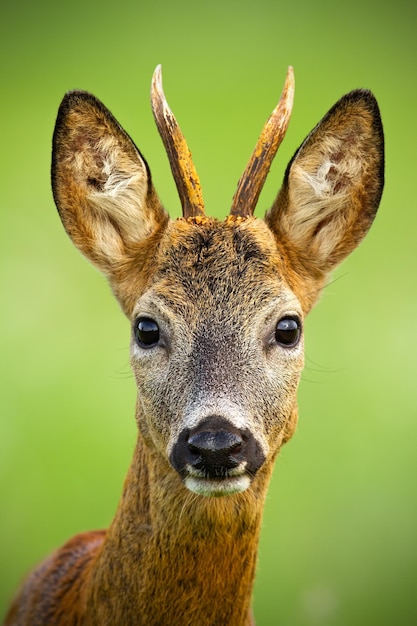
182, 167
253, 178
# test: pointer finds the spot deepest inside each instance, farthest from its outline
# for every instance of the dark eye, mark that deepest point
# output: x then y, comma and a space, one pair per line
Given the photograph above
146, 332
288, 331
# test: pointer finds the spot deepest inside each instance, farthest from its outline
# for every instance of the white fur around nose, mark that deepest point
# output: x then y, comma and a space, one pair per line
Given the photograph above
198, 411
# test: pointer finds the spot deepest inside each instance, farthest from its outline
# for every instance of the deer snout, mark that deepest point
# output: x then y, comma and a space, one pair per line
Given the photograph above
215, 452
216, 458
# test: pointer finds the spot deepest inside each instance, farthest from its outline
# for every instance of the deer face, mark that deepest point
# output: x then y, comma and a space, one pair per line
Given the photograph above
217, 308
217, 351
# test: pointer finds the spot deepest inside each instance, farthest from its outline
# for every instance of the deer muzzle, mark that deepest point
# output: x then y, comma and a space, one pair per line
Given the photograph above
216, 458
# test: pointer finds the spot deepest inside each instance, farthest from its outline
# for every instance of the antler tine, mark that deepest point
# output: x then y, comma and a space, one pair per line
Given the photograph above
253, 178
182, 167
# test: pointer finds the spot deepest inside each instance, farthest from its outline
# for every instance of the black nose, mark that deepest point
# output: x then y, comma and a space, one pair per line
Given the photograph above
214, 448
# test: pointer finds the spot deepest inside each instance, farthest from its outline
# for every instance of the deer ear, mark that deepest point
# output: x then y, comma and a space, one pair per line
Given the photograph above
101, 183
333, 185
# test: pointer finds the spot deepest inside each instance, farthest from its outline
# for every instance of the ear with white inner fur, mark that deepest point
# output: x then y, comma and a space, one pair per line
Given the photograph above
333, 185
101, 183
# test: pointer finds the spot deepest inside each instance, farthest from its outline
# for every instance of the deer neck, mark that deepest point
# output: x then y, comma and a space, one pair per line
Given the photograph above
173, 557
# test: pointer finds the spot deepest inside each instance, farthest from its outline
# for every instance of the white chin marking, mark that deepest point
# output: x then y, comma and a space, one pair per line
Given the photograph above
217, 488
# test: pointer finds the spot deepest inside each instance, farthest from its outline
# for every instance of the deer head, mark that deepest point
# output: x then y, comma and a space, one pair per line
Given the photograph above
217, 307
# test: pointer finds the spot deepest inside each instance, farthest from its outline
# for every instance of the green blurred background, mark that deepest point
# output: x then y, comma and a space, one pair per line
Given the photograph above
339, 538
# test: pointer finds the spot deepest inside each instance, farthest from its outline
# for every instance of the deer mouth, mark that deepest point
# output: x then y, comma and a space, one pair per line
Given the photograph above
219, 486
216, 458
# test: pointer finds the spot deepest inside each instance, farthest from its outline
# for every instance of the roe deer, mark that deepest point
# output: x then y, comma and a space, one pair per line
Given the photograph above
217, 311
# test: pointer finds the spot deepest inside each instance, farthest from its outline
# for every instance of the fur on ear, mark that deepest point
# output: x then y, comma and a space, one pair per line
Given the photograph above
333, 185
101, 183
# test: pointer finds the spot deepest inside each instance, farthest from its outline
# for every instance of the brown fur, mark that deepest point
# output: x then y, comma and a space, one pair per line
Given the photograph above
217, 289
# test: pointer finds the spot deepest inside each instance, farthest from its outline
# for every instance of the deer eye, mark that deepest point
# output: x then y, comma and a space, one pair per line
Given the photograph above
146, 332
288, 332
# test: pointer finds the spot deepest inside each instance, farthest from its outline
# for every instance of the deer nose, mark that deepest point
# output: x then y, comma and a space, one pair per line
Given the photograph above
214, 448
215, 451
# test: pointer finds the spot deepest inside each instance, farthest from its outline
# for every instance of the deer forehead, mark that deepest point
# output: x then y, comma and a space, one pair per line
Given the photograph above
204, 264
